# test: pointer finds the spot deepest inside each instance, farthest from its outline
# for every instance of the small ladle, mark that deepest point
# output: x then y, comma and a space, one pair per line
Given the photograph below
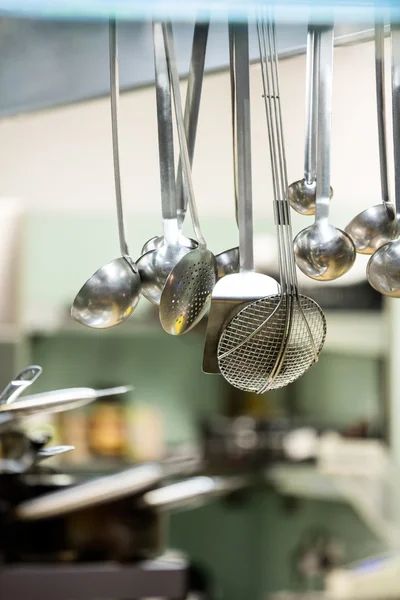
110, 296
377, 225
156, 265
302, 192
324, 252
383, 269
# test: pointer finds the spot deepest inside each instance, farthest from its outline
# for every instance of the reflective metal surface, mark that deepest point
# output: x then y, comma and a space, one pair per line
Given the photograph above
383, 269
187, 291
110, 296
324, 252
377, 225
20, 383
234, 291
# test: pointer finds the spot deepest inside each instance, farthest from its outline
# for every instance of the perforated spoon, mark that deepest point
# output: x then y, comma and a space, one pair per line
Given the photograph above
324, 252
110, 296
187, 291
377, 225
156, 265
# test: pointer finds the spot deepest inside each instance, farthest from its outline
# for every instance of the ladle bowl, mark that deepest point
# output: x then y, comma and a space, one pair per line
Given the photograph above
373, 228
302, 196
157, 241
383, 269
109, 297
324, 252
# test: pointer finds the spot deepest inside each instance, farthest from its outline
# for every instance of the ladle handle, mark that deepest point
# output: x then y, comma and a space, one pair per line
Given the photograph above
324, 52
192, 106
164, 124
239, 40
380, 106
311, 111
187, 172
114, 90
233, 106
395, 38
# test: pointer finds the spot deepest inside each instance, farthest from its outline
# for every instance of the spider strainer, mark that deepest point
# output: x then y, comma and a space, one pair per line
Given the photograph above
273, 341
187, 291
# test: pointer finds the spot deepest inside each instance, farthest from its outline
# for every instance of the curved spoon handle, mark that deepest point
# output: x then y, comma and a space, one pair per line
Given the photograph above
187, 172
324, 52
192, 106
20, 383
114, 92
164, 123
311, 110
380, 105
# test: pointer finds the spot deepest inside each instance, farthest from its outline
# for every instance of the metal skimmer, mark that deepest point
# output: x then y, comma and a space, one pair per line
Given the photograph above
187, 291
275, 340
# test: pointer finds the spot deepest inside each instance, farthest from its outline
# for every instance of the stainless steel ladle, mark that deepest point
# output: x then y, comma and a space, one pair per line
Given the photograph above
324, 252
383, 269
377, 225
110, 296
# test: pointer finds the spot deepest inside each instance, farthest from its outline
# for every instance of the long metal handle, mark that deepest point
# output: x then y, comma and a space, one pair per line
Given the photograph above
20, 383
242, 142
192, 107
324, 50
381, 106
233, 108
395, 38
311, 107
187, 172
164, 122
114, 89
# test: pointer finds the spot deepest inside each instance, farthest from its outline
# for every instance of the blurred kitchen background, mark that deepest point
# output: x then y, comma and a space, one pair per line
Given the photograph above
58, 226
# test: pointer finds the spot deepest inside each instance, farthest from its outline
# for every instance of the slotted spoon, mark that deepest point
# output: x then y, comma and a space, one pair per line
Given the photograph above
187, 291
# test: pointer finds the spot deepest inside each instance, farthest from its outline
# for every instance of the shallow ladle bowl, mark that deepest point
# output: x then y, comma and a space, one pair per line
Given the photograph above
158, 240
373, 228
109, 297
324, 252
383, 269
302, 196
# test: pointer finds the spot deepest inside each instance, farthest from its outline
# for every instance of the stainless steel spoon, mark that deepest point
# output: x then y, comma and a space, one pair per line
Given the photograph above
110, 296
324, 252
377, 225
156, 265
302, 193
383, 269
20, 383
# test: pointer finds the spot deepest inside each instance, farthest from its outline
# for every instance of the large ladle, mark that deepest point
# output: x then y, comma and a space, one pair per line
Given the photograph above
324, 252
377, 225
156, 265
383, 269
110, 296
302, 192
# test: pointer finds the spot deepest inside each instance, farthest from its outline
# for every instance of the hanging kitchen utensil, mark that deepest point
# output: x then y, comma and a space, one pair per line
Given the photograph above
57, 401
324, 252
377, 225
302, 192
192, 107
156, 265
383, 269
110, 296
20, 383
234, 291
273, 341
186, 294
